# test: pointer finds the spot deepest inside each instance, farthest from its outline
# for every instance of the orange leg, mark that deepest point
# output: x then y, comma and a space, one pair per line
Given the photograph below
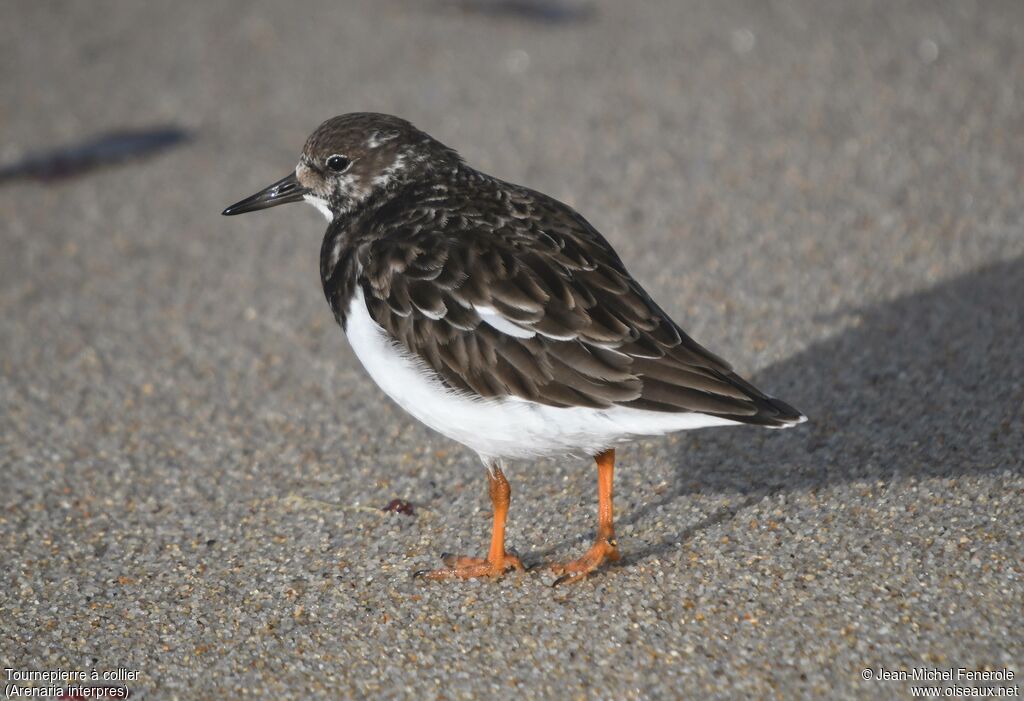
604, 547
498, 562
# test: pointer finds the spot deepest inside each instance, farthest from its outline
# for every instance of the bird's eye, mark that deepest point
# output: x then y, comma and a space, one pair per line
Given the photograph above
337, 163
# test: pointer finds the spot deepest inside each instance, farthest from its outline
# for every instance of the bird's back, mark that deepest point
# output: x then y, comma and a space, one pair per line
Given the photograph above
505, 293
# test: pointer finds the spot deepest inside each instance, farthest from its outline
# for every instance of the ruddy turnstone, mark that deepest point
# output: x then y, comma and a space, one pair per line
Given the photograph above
499, 317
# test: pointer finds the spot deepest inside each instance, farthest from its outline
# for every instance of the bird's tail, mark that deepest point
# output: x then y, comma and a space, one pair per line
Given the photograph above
771, 412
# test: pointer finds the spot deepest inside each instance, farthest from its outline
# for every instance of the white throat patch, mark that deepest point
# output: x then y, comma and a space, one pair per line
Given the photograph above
321, 204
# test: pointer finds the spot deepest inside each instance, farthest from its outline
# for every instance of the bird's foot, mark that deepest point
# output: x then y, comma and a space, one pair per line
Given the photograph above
603, 550
462, 567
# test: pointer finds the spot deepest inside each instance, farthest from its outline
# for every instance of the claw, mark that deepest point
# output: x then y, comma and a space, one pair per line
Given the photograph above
561, 580
603, 550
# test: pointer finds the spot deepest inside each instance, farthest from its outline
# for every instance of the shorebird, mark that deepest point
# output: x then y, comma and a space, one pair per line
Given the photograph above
499, 317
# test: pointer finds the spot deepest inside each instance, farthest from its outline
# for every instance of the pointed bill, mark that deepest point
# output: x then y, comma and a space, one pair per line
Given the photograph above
287, 189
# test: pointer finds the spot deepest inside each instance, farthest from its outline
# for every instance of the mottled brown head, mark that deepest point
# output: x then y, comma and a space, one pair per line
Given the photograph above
351, 158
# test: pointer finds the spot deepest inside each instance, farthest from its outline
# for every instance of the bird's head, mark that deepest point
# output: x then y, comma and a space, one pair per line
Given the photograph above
353, 159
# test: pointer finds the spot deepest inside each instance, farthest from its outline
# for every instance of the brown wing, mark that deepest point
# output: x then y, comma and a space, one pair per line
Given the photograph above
517, 295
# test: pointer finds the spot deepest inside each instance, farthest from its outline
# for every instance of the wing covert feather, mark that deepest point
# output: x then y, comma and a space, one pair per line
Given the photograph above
591, 336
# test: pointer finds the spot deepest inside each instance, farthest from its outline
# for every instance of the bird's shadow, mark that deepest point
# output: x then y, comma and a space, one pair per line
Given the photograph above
927, 385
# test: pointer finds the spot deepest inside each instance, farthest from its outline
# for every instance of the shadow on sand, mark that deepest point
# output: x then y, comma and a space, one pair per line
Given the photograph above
930, 384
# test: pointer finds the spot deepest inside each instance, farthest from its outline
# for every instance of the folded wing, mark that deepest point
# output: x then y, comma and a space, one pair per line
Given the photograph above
519, 297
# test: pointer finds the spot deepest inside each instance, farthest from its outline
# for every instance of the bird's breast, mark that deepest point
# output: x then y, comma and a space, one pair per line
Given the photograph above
339, 272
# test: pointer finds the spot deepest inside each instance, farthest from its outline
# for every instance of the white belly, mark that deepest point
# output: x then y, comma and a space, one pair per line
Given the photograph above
499, 428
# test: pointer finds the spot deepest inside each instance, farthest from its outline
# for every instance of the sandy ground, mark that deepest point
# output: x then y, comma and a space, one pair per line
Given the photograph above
193, 462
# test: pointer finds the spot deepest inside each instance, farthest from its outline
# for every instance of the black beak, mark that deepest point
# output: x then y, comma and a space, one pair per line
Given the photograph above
285, 190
